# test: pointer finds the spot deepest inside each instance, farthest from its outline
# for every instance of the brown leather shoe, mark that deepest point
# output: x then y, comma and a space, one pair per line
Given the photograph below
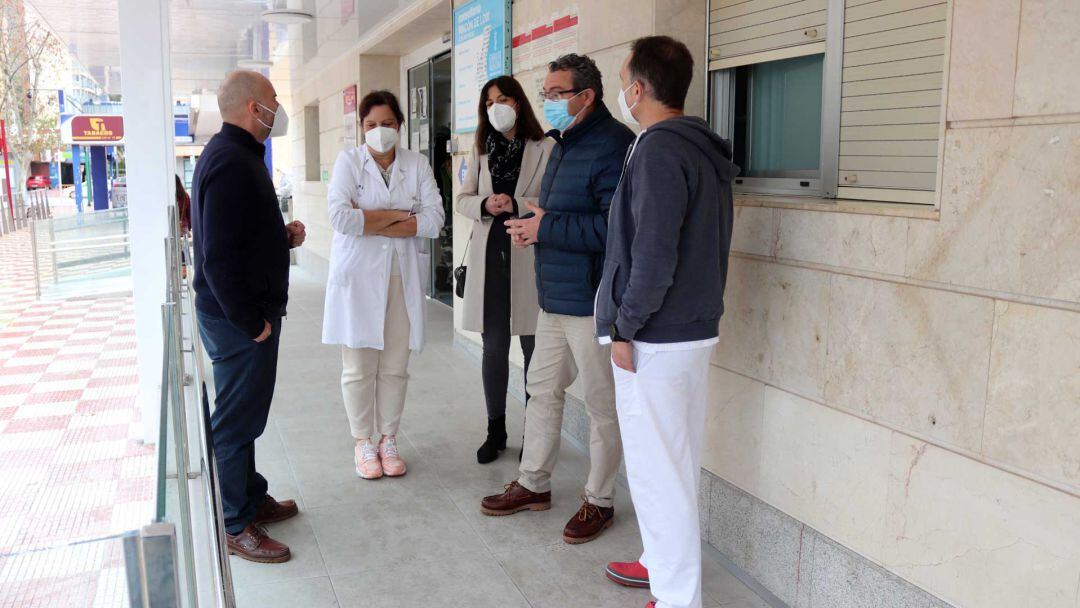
515, 498
254, 545
272, 511
589, 523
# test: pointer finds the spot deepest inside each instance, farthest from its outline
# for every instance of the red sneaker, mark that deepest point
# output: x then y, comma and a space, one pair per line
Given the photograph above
629, 574
650, 605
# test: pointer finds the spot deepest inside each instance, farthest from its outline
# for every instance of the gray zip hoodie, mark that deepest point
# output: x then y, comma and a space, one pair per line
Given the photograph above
669, 233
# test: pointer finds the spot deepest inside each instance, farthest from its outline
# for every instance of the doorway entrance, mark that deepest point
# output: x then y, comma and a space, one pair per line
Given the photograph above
430, 107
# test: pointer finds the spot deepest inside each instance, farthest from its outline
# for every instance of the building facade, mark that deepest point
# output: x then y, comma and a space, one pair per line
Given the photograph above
895, 400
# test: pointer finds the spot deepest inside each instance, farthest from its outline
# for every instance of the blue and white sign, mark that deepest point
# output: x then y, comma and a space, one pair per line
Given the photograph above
481, 52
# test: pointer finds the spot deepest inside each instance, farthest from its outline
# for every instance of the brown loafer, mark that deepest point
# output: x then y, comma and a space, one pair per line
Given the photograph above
588, 524
272, 511
515, 498
254, 545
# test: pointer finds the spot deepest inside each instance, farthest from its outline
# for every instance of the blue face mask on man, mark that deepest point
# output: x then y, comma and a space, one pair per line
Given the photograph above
557, 113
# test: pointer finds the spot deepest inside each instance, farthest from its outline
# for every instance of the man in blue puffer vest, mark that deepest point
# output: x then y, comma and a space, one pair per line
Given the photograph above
569, 231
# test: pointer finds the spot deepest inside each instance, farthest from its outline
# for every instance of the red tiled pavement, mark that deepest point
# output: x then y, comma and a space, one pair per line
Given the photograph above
71, 464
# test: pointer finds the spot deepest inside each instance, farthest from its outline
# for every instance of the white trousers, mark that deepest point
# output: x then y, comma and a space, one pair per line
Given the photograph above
373, 381
662, 419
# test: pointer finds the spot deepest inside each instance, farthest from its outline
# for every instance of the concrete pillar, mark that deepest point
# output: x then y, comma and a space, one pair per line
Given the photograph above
148, 129
99, 177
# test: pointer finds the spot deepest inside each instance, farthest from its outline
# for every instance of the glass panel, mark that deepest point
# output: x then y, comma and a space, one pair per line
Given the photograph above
784, 118
84, 573
83, 255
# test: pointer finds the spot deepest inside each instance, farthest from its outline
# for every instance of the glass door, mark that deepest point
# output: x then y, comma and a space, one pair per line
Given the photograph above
430, 107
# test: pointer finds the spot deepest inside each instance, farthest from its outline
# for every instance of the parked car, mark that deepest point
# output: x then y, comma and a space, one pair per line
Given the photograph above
37, 182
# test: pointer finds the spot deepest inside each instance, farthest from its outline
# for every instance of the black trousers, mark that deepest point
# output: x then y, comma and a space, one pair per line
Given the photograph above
495, 367
244, 376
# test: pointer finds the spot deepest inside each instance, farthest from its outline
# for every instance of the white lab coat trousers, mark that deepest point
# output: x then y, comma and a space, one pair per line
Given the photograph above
358, 284
662, 418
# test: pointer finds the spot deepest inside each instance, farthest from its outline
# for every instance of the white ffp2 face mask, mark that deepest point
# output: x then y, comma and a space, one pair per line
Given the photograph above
626, 109
280, 125
381, 139
502, 116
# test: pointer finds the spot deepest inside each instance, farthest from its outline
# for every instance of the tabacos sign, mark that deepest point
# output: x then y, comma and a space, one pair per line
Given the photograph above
97, 128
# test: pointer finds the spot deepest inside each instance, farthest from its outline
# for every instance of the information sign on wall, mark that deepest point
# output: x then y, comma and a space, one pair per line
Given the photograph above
481, 52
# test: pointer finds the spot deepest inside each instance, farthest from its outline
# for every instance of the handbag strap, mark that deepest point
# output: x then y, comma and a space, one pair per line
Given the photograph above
465, 256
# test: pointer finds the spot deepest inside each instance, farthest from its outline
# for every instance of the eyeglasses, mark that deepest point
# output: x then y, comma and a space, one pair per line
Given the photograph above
556, 95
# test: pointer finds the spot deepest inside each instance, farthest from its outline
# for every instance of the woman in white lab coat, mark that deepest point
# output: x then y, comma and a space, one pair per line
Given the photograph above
384, 205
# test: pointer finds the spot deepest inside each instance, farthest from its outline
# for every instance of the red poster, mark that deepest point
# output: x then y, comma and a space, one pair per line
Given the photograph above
349, 95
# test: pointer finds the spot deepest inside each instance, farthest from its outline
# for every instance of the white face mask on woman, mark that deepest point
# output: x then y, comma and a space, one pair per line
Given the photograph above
502, 116
381, 139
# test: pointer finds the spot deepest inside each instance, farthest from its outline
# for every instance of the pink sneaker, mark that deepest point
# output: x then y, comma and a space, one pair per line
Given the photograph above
367, 461
392, 464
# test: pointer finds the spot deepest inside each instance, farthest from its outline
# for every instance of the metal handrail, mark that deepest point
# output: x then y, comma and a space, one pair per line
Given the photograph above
123, 237
209, 465
82, 247
180, 296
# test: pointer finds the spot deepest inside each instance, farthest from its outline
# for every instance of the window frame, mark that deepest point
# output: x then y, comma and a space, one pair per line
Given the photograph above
720, 92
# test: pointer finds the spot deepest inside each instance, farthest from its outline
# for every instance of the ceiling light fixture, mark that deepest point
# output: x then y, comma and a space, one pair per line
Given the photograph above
286, 16
254, 64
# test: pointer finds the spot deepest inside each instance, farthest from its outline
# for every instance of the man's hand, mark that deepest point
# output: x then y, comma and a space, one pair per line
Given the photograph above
524, 232
297, 233
265, 332
498, 204
622, 354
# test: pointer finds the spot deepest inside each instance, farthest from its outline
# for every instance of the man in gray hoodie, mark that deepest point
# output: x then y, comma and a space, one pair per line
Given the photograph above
659, 304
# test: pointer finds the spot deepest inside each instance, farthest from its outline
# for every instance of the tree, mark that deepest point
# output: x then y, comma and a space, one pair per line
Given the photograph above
27, 50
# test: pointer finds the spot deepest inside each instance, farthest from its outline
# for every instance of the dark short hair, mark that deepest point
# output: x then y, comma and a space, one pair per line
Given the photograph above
664, 66
528, 127
583, 70
381, 98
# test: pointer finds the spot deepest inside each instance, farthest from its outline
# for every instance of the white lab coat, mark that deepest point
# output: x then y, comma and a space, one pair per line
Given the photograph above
356, 290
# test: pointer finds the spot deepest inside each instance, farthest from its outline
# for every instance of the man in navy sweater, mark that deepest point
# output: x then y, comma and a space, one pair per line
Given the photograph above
241, 287
569, 231
659, 305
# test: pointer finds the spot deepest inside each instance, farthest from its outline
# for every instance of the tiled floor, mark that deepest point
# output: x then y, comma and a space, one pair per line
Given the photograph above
71, 467
421, 540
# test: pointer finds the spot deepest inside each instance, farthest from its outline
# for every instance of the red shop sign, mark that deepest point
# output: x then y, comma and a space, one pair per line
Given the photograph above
97, 128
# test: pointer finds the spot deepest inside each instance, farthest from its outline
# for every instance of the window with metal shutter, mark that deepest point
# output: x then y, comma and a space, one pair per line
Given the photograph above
744, 27
894, 56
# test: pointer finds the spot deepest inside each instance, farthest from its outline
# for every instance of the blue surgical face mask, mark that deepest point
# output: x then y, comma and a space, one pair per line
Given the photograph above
557, 113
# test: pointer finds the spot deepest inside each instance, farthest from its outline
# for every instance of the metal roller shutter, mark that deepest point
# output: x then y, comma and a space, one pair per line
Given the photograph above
894, 56
744, 27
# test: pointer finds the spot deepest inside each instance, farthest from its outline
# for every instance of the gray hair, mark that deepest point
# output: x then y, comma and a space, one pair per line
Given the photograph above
583, 70
237, 90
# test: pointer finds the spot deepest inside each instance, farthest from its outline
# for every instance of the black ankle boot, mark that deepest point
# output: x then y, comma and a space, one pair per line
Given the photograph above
495, 442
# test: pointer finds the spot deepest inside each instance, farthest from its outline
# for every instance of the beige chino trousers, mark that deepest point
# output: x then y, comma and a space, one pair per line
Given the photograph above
565, 347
